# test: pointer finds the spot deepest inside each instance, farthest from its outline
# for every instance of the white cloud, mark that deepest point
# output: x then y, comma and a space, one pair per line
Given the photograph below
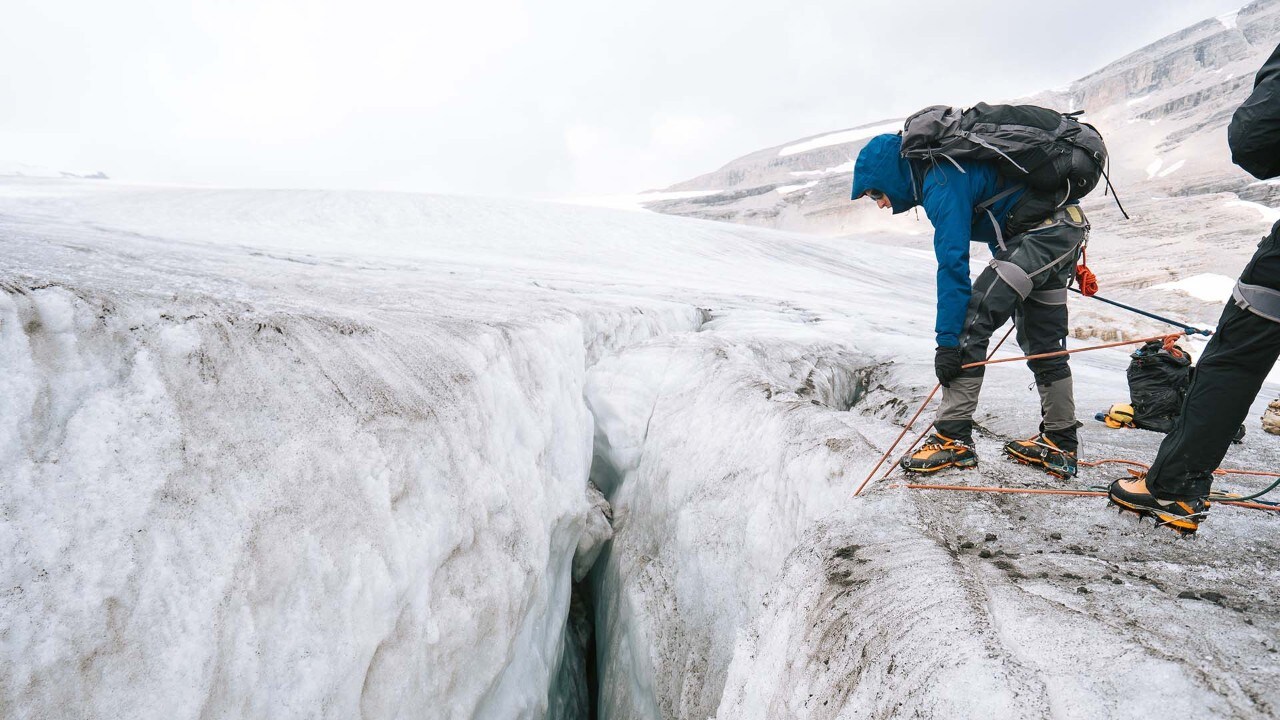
676, 131
583, 140
435, 94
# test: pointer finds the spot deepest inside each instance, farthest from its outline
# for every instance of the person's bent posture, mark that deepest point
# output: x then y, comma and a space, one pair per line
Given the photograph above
1240, 354
969, 201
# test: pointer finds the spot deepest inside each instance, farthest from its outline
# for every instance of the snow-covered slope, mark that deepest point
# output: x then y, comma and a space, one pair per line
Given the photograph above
1163, 109
39, 171
312, 454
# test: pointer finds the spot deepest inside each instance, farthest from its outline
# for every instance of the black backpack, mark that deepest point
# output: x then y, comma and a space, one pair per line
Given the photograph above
1159, 379
1158, 382
1055, 156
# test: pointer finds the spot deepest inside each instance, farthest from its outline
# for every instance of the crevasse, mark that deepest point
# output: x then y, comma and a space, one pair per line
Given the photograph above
236, 513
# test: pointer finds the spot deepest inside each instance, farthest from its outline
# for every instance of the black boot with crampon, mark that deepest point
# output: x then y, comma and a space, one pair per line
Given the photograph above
1045, 454
1131, 495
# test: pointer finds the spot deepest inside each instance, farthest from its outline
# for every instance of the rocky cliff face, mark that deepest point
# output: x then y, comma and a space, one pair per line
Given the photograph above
1163, 109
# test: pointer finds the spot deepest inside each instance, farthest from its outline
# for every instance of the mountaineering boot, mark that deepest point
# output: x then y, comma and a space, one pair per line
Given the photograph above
1132, 495
1043, 453
940, 452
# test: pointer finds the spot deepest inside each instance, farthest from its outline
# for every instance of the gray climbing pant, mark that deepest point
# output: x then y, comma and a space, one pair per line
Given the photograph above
1026, 280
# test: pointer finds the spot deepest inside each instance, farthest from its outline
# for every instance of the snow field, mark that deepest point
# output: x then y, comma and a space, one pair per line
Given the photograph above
1209, 287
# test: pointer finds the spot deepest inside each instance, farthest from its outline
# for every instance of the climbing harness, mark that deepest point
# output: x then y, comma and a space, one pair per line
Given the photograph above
1261, 301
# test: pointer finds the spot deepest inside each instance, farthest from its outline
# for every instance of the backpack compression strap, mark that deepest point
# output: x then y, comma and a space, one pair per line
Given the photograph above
985, 206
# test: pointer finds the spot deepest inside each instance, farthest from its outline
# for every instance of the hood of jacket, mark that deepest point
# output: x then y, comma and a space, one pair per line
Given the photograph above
881, 167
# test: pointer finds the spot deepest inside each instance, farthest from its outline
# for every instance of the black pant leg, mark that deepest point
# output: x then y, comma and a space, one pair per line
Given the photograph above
1043, 327
991, 305
1227, 380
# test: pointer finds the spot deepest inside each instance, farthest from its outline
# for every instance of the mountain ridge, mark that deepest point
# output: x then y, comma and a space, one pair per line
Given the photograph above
1182, 88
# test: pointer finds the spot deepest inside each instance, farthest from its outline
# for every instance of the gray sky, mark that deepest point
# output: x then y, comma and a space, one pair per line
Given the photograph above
506, 97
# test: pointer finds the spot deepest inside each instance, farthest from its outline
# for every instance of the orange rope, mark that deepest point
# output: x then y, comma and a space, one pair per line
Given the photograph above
1096, 463
1085, 278
1020, 491
1059, 353
1258, 473
1145, 466
1086, 493
905, 428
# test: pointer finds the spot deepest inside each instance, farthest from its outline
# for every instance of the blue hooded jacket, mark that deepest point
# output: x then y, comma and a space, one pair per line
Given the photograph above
949, 196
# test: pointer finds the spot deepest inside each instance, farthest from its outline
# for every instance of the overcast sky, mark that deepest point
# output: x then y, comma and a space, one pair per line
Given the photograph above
506, 97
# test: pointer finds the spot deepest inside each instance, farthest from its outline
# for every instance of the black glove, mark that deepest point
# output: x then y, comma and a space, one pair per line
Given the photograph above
946, 364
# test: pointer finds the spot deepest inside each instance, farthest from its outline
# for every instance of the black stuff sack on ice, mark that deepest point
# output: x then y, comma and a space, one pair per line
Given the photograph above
1159, 377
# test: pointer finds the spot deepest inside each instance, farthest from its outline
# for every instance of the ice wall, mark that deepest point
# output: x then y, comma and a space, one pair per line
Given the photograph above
317, 454
222, 515
697, 449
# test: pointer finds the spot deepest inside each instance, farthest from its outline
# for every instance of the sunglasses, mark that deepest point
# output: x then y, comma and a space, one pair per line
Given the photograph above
875, 195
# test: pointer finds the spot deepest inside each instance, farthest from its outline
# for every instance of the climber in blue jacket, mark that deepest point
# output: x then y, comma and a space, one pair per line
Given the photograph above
1032, 265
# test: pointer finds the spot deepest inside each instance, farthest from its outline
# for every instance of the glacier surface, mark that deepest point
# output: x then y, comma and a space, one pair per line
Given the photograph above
314, 454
